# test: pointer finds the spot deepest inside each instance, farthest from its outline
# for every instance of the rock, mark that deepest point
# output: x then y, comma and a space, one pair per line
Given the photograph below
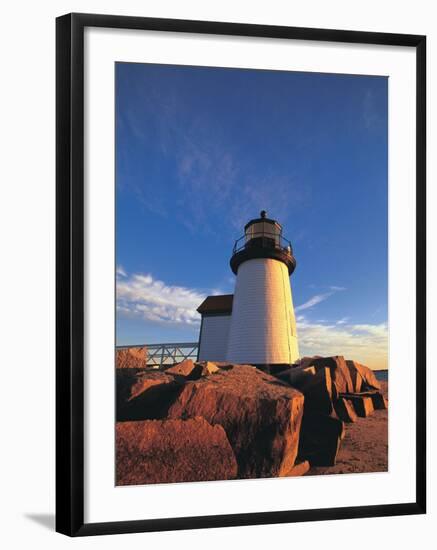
208, 367
145, 381
223, 365
260, 414
340, 375
171, 451
125, 379
192, 371
369, 379
131, 358
146, 396
357, 379
320, 439
362, 404
345, 410
378, 399
185, 368
295, 375
315, 384
307, 361
347, 376
299, 469
339, 371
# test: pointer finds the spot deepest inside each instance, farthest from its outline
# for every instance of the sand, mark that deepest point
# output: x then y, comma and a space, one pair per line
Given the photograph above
365, 446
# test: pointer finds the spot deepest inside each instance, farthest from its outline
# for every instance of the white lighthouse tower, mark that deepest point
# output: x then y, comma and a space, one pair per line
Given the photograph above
262, 327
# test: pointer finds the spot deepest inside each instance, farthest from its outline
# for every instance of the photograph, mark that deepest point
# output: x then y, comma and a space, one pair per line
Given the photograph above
251, 288
215, 248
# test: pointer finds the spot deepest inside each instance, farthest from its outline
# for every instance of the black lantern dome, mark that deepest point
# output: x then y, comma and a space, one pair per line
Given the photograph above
262, 239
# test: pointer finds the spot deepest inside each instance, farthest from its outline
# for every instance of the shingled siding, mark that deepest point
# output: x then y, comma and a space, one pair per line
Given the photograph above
214, 337
263, 327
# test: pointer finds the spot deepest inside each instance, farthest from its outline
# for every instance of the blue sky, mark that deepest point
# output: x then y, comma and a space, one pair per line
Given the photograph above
200, 151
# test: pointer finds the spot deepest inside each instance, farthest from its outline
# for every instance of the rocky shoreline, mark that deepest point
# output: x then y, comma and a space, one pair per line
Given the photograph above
209, 421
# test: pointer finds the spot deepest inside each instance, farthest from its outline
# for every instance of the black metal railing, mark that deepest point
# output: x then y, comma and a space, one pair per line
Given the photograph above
264, 239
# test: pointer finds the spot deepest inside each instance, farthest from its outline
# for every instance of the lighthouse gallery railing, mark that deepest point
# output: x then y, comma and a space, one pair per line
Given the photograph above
265, 239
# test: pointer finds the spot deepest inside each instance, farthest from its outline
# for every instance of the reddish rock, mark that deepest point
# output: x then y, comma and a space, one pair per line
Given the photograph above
357, 379
131, 358
362, 404
145, 396
171, 451
225, 365
340, 375
315, 384
185, 368
378, 399
345, 410
260, 414
144, 381
296, 374
367, 375
192, 371
125, 379
299, 469
307, 361
320, 439
207, 367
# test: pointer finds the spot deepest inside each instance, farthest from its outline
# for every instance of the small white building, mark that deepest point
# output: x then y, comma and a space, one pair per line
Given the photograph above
257, 324
214, 329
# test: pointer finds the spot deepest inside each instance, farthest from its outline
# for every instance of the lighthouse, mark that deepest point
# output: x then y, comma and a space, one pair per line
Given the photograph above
256, 325
262, 328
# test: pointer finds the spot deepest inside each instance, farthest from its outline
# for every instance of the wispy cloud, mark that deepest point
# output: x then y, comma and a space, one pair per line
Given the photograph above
363, 342
313, 301
342, 321
215, 185
316, 299
143, 296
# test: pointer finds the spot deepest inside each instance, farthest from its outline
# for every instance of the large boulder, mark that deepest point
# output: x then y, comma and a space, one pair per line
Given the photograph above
260, 414
299, 469
340, 375
315, 384
357, 379
295, 375
307, 361
171, 451
125, 380
362, 404
320, 439
378, 399
345, 410
145, 396
347, 376
367, 375
144, 381
131, 358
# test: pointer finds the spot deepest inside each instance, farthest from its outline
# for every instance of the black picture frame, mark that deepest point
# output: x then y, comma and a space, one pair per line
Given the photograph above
70, 273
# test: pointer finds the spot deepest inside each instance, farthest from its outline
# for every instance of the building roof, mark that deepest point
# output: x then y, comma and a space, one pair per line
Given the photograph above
217, 304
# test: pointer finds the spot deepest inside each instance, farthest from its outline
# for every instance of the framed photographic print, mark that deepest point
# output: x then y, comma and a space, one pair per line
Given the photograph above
240, 274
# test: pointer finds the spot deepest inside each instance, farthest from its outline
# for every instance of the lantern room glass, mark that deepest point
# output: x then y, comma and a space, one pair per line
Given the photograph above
264, 230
